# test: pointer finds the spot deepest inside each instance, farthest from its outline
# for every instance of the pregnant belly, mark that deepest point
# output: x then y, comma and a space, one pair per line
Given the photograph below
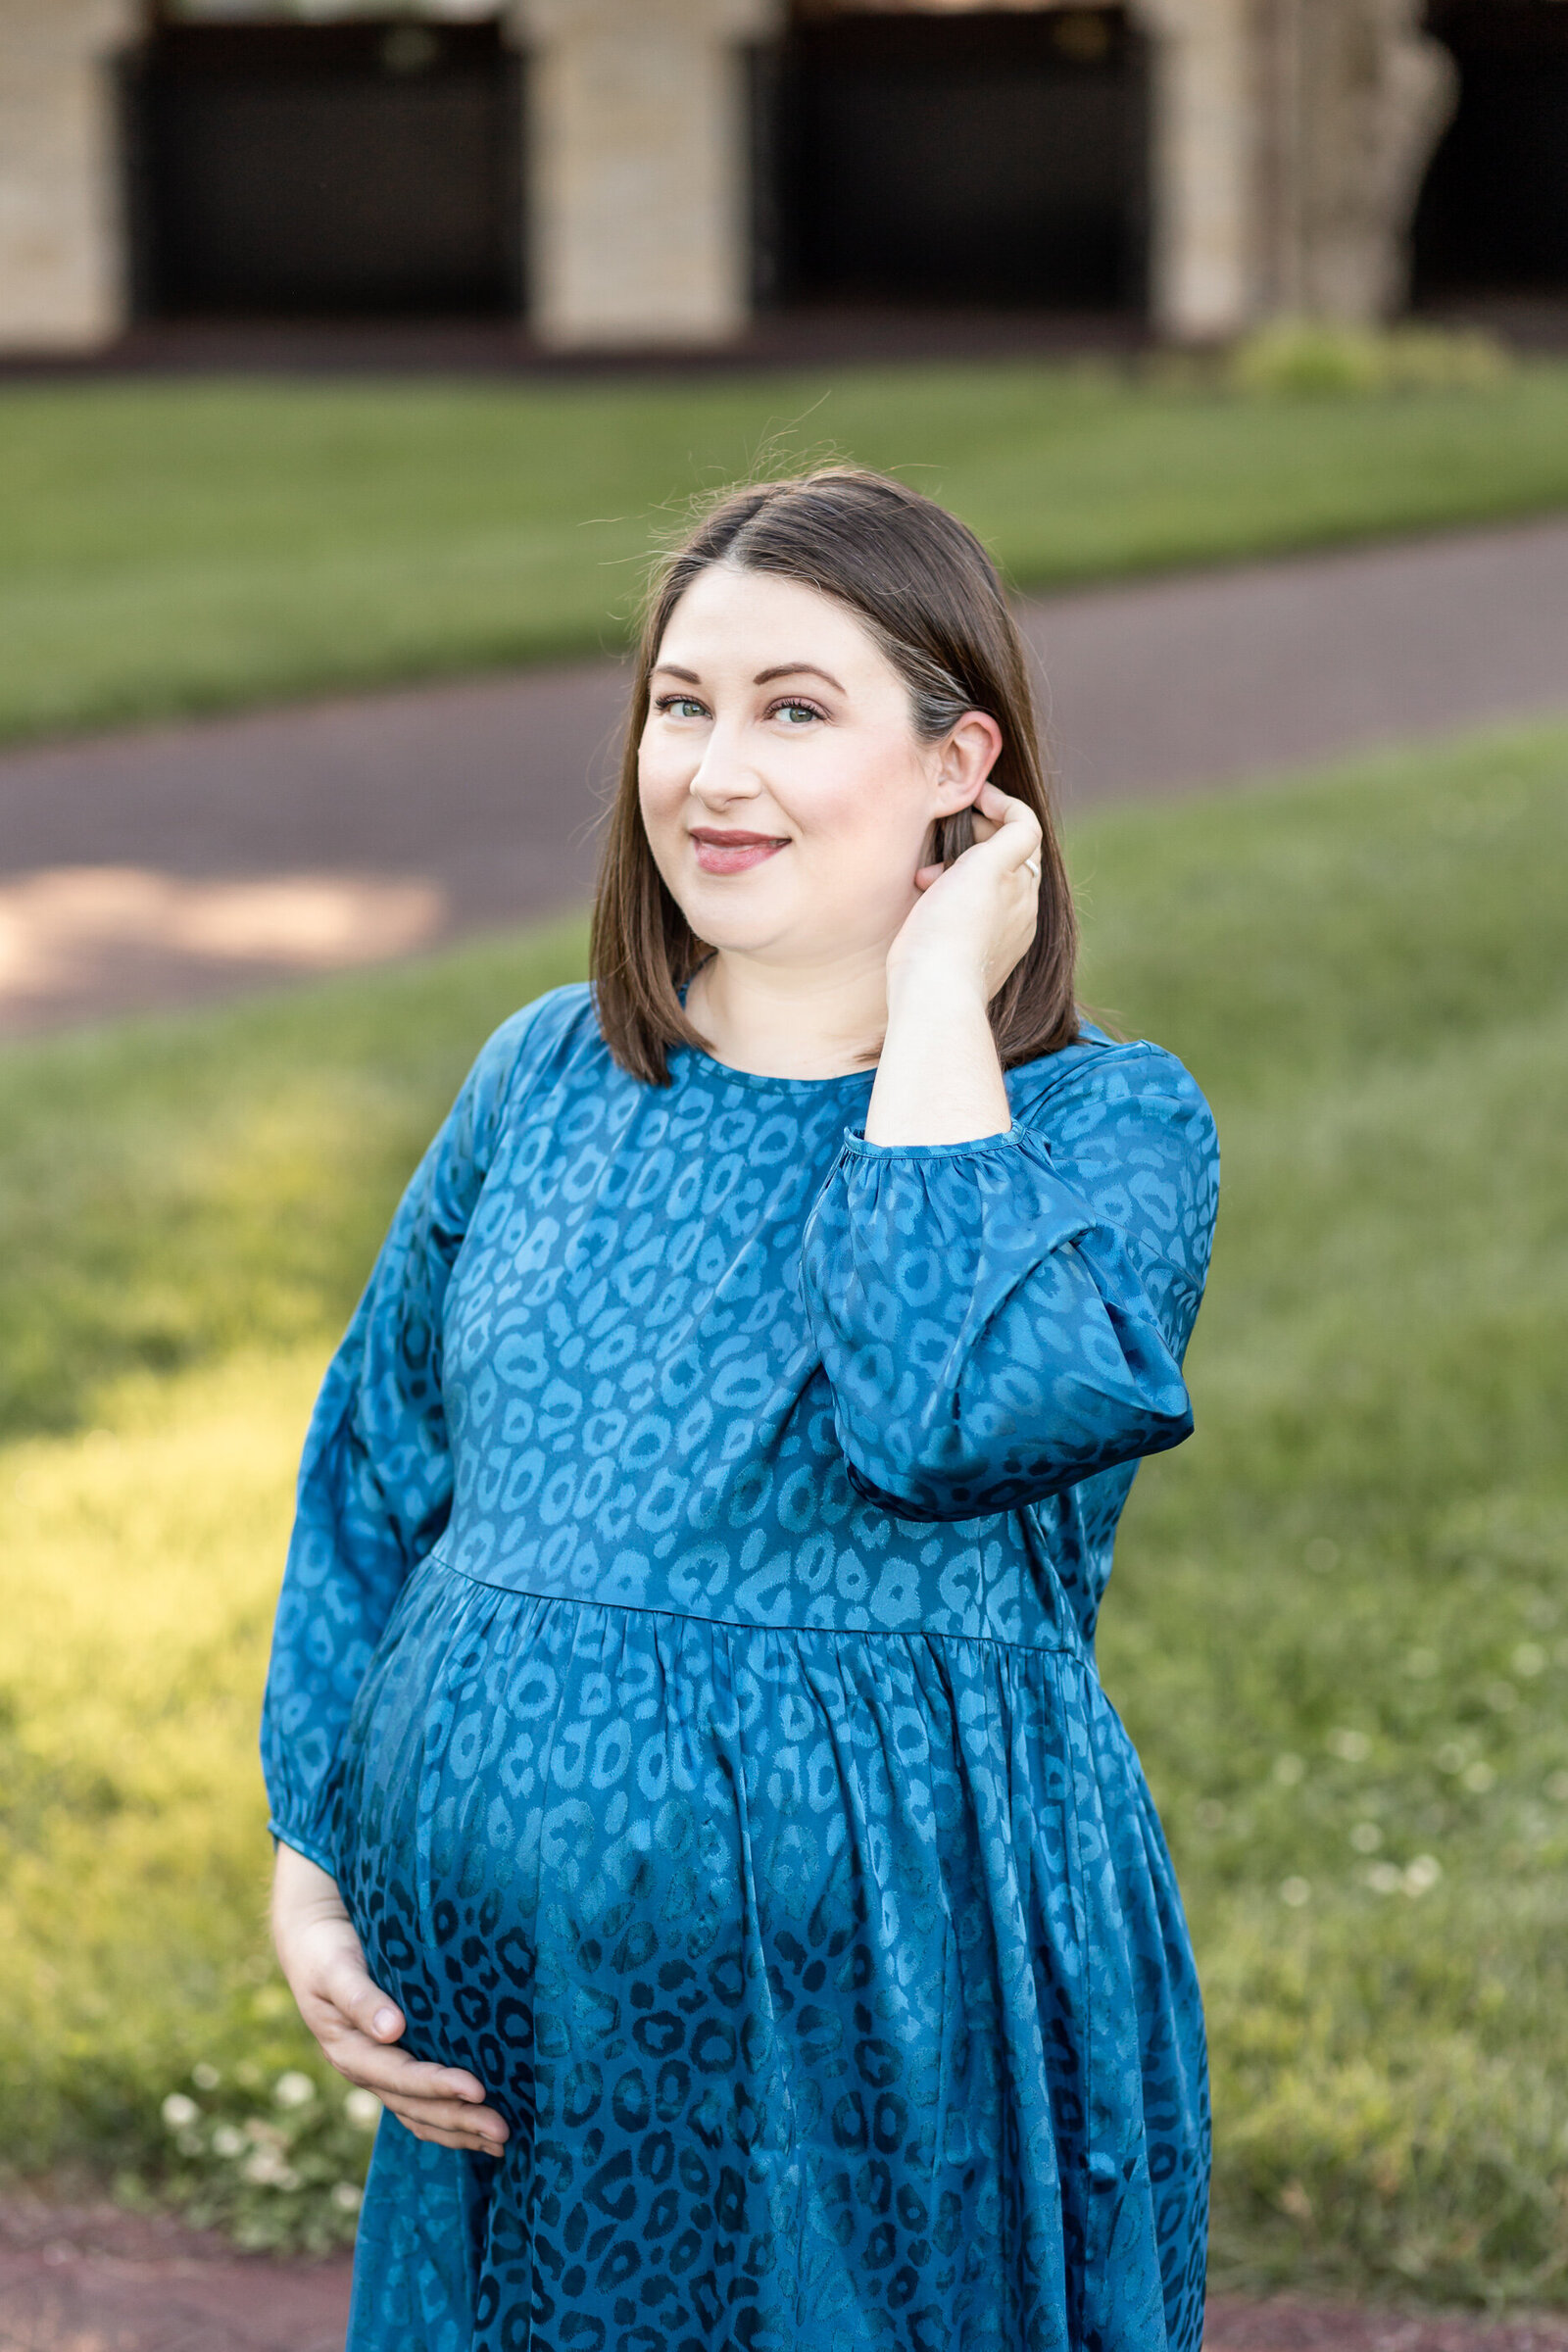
584, 1844
772, 1940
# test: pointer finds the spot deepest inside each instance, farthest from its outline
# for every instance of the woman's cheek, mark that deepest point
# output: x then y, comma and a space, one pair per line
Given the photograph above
659, 795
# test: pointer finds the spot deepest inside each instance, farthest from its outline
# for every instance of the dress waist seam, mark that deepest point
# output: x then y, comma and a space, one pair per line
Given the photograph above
755, 1624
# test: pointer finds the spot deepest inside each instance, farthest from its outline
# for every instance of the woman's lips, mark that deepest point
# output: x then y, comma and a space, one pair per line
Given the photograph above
734, 853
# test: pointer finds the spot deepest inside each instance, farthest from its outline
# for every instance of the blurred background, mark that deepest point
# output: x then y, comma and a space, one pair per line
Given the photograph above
351, 364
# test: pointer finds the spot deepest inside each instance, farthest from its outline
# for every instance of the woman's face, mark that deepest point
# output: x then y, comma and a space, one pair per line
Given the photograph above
787, 799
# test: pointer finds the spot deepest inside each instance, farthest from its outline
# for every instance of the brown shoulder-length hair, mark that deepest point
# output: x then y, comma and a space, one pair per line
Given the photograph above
923, 586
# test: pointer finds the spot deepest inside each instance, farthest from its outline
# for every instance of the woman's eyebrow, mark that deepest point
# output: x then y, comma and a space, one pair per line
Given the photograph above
669, 669
796, 669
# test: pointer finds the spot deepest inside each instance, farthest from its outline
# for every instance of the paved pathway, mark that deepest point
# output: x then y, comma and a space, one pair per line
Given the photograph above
181, 861
91, 2280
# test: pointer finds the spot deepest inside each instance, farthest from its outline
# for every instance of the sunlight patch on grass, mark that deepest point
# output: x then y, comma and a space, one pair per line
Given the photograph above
141, 1572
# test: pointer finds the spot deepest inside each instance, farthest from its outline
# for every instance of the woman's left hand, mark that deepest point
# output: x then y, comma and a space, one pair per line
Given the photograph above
976, 918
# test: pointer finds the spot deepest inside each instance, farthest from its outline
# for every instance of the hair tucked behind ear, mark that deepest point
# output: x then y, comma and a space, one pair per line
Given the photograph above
922, 584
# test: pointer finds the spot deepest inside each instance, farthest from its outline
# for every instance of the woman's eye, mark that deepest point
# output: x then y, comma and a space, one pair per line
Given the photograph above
681, 705
796, 714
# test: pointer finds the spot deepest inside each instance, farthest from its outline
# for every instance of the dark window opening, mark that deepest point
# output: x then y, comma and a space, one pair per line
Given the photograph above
971, 159
361, 168
1493, 214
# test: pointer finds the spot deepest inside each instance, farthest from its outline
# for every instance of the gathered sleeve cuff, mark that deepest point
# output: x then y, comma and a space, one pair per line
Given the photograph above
376, 1482
1000, 1319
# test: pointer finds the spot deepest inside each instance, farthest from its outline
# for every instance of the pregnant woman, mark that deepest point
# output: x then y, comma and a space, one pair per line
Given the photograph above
699, 1820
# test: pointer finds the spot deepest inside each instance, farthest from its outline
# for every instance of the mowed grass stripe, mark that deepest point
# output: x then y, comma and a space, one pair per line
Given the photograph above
191, 546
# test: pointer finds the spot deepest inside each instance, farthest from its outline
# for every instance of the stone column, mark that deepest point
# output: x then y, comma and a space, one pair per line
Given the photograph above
637, 157
1205, 167
62, 263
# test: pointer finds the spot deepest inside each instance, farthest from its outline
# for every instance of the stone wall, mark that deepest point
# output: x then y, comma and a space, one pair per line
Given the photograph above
61, 269
638, 170
1291, 137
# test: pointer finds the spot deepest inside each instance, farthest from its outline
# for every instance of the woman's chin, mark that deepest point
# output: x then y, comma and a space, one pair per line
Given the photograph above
736, 922
741, 938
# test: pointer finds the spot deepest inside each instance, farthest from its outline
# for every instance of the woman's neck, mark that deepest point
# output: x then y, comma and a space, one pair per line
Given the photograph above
788, 1020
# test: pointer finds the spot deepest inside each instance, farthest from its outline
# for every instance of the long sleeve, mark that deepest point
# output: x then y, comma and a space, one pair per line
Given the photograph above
375, 1481
998, 1320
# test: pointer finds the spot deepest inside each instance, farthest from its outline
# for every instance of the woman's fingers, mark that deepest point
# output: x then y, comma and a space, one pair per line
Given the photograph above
354, 1994
1018, 825
394, 2072
1006, 828
451, 2124
357, 2024
448, 2135
428, 2098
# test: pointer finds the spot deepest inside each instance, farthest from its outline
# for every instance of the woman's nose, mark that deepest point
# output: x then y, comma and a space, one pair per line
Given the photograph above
723, 773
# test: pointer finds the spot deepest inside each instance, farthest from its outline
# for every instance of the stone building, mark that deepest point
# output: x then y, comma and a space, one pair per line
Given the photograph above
633, 173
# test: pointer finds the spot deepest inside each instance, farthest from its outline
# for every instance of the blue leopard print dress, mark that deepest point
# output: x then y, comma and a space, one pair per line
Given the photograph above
685, 1666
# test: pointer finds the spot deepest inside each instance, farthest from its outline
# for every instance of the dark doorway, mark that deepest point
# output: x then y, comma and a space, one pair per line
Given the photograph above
989, 157
346, 169
1493, 214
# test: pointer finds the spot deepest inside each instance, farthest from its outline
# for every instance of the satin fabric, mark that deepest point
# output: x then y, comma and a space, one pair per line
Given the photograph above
685, 1667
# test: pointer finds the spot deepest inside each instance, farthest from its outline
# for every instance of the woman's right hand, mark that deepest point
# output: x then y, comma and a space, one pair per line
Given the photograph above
355, 2021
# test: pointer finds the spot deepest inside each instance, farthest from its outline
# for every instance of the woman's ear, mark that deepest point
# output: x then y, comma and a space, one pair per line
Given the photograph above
964, 759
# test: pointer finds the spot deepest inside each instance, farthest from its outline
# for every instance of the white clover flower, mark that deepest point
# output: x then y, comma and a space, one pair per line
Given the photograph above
205, 2076
293, 2089
228, 2144
1385, 1878
346, 2197
362, 2109
178, 2111
1422, 1875
1351, 1747
1290, 1771
1451, 1755
1478, 1777
1366, 1837
1296, 1892
1529, 1660
264, 2168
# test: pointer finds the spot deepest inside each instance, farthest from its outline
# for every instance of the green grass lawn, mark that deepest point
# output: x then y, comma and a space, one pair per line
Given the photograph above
1339, 1626
174, 547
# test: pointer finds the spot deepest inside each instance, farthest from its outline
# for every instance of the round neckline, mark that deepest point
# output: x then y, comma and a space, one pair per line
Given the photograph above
762, 1083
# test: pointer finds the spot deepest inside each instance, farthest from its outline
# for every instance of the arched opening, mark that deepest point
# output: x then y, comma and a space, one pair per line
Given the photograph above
1493, 214
358, 166
955, 157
